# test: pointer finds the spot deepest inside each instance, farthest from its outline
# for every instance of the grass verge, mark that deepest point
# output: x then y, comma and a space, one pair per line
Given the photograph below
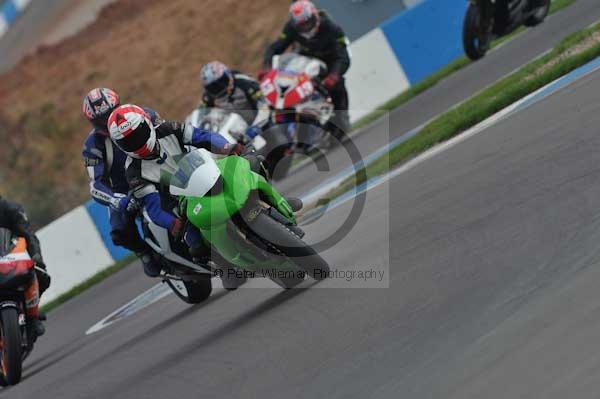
95, 279
572, 52
446, 71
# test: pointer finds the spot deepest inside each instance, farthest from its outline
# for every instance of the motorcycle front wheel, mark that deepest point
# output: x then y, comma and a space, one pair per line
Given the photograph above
540, 15
291, 246
10, 347
476, 38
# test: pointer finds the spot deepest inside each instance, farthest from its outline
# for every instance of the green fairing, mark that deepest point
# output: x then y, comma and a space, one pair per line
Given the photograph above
210, 214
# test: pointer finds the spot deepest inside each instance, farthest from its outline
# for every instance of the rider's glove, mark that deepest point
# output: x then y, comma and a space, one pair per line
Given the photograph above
133, 206
129, 204
253, 131
331, 80
263, 74
177, 228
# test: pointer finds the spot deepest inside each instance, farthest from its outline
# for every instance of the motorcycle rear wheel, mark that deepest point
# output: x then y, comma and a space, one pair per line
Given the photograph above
539, 16
192, 292
10, 347
476, 40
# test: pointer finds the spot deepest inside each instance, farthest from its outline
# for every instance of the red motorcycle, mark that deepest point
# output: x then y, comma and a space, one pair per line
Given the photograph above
299, 102
16, 274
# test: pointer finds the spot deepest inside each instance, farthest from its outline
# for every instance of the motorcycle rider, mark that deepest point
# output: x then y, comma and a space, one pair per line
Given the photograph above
14, 218
153, 150
316, 35
108, 183
235, 92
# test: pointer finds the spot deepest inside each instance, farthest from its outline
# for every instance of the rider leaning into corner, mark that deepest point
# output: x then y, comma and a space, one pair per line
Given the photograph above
14, 218
316, 35
235, 92
154, 149
105, 164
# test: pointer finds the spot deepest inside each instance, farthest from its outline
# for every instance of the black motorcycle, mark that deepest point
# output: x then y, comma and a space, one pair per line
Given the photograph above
487, 20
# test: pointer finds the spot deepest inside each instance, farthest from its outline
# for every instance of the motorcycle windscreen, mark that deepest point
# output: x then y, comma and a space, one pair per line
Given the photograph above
196, 174
296, 63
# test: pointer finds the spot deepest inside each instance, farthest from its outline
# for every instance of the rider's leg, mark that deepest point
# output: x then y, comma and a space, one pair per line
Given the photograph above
231, 276
32, 303
124, 233
341, 120
43, 279
199, 251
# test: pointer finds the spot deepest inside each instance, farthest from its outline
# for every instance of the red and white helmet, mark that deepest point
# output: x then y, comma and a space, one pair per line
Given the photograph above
132, 131
98, 105
305, 17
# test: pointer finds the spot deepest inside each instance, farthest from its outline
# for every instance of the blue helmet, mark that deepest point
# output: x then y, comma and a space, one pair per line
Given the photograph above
217, 79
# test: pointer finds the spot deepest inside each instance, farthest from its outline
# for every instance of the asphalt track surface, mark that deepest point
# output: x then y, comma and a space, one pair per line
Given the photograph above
493, 292
459, 87
493, 254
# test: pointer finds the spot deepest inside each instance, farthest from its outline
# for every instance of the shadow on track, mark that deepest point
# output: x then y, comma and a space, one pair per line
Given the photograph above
70, 349
55, 357
210, 338
148, 334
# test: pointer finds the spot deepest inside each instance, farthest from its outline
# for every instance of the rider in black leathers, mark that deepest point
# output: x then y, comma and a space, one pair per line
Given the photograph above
14, 218
316, 35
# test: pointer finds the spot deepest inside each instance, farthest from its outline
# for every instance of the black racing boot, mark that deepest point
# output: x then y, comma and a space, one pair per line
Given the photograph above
201, 255
295, 203
151, 267
37, 327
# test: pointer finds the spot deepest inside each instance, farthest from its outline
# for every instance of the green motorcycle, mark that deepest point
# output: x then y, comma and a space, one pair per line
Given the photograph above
249, 226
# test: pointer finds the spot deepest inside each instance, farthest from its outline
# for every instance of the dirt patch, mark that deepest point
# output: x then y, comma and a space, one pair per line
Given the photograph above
150, 51
586, 44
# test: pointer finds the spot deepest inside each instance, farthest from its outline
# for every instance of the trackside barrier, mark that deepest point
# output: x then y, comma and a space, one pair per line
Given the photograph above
402, 52
73, 250
9, 11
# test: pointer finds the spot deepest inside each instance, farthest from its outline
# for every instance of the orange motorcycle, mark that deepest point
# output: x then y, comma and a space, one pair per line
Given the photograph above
18, 293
